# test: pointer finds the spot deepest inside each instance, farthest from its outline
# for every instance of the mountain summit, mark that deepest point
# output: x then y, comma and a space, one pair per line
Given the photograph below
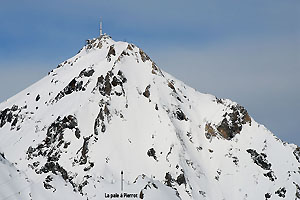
109, 124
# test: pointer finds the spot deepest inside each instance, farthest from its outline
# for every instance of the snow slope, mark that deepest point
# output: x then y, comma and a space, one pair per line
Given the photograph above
110, 109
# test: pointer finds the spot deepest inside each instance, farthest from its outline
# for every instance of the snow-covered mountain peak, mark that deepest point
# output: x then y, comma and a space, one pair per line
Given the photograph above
109, 109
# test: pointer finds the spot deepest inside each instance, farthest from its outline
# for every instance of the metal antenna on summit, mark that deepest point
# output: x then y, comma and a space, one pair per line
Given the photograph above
101, 27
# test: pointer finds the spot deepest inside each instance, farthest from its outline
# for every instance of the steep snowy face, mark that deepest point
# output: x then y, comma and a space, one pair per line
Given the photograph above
110, 109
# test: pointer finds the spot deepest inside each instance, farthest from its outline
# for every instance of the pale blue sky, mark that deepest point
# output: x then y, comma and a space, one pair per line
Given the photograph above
247, 51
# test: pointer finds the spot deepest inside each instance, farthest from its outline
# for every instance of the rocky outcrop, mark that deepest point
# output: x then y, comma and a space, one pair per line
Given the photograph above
106, 84
146, 93
297, 154
77, 84
13, 116
233, 122
111, 52
260, 159
151, 153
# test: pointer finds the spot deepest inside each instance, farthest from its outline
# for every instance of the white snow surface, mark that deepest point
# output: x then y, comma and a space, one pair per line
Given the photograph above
110, 109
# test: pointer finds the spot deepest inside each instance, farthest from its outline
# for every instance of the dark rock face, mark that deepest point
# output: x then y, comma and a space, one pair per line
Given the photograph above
50, 146
100, 120
171, 85
87, 72
84, 183
168, 179
52, 149
111, 52
233, 122
146, 93
267, 196
84, 151
12, 116
270, 175
297, 191
156, 70
5, 116
126, 52
106, 87
37, 97
130, 47
56, 169
144, 56
141, 195
47, 182
151, 153
93, 44
149, 185
106, 84
260, 159
209, 131
75, 85
297, 153
181, 179
180, 115
2, 156
60, 125
281, 192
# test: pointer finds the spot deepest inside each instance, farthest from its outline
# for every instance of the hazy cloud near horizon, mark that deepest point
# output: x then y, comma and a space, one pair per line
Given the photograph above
245, 51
